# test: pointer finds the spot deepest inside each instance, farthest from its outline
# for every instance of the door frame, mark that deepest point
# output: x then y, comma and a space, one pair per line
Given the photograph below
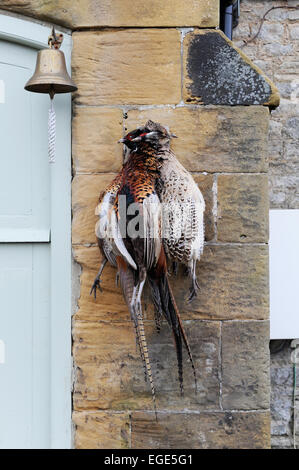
30, 33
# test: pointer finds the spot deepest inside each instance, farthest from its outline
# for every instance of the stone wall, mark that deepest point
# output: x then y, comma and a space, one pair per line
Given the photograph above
275, 51
128, 72
126, 77
227, 324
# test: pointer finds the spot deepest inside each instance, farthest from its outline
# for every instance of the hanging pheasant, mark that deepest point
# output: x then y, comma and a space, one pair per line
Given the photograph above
183, 203
151, 175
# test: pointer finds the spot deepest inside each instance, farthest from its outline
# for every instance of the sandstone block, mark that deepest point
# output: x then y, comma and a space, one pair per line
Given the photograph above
243, 208
110, 373
245, 365
132, 66
102, 430
88, 13
95, 132
231, 430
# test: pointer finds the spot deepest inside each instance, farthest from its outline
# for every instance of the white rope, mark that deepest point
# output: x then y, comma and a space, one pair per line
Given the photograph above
51, 133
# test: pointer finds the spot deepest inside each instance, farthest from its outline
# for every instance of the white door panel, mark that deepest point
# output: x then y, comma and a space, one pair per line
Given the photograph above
24, 327
35, 250
24, 195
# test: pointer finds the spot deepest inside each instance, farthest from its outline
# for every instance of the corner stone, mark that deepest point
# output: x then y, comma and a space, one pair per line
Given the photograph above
216, 72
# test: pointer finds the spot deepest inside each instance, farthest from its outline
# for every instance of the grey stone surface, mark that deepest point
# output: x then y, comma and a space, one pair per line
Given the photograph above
275, 51
282, 385
218, 74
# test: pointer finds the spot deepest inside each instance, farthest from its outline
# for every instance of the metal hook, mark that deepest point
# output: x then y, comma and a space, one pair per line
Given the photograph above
54, 40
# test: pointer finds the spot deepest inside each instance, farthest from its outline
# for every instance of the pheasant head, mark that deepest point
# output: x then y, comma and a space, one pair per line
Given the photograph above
151, 134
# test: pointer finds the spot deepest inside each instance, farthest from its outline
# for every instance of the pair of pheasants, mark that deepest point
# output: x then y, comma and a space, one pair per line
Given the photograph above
168, 228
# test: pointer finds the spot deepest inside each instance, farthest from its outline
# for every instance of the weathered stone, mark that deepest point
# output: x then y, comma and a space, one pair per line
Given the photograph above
284, 193
292, 127
286, 109
293, 14
233, 284
216, 72
95, 133
220, 430
285, 89
271, 30
291, 65
282, 389
243, 208
276, 14
242, 32
88, 13
294, 31
110, 373
132, 66
282, 442
101, 430
245, 365
109, 304
230, 139
86, 190
277, 50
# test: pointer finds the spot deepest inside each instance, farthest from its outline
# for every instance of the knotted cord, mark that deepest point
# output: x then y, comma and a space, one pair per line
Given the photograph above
51, 133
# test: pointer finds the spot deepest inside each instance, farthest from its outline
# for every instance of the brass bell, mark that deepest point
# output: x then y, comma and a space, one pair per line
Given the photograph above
50, 74
51, 77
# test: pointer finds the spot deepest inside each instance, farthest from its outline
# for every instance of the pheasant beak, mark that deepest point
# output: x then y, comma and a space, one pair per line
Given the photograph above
173, 136
121, 141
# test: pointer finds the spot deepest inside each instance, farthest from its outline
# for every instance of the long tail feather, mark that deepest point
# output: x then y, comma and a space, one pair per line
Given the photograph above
163, 296
144, 348
172, 318
156, 298
183, 333
126, 277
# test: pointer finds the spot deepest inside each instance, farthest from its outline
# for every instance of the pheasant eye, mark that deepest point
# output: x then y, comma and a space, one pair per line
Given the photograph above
130, 136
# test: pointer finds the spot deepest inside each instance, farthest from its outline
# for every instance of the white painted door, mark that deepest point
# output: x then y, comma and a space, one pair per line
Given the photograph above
35, 386
24, 254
